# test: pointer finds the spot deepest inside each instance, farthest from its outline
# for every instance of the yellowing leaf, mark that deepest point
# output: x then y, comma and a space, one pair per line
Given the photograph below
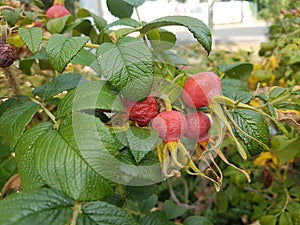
266, 157
272, 64
257, 67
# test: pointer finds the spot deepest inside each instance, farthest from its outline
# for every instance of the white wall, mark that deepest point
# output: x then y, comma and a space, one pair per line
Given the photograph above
224, 12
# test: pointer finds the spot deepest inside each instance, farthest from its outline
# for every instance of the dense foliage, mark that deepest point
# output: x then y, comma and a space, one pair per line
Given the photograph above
95, 121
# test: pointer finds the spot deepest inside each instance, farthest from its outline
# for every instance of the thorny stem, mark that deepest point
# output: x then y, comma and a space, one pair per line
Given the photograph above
12, 80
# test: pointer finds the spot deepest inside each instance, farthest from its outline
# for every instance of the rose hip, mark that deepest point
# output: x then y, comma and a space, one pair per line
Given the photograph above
171, 125
57, 10
198, 125
7, 55
199, 89
141, 113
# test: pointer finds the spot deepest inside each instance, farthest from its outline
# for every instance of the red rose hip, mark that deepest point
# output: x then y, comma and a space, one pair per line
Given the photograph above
171, 125
199, 89
198, 125
58, 10
141, 113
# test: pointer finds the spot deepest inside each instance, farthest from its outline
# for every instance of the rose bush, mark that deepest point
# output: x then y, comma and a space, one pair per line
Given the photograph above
95, 123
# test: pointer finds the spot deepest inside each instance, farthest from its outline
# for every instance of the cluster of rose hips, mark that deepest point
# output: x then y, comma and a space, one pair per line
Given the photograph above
7, 53
171, 124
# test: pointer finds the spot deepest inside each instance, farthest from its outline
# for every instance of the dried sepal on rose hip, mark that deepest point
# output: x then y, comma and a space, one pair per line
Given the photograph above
7, 55
171, 125
141, 113
200, 88
198, 126
57, 10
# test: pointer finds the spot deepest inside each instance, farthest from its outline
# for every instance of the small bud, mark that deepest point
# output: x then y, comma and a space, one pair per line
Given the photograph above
7, 55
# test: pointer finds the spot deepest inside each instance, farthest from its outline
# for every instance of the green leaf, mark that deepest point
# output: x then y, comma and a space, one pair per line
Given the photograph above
8, 169
80, 27
32, 37
276, 92
63, 82
164, 67
161, 39
200, 31
30, 15
285, 219
141, 141
115, 36
135, 3
140, 192
263, 75
11, 16
57, 156
14, 120
57, 25
147, 204
295, 191
128, 66
236, 90
176, 59
61, 49
25, 65
222, 202
197, 220
289, 150
254, 125
172, 210
91, 95
99, 21
124, 22
13, 101
119, 8
100, 148
103, 213
84, 57
287, 106
5, 150
169, 89
83, 13
30, 177
268, 220
155, 218
240, 71
42, 206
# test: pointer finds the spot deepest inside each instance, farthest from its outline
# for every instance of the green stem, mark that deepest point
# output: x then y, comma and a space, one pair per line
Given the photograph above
287, 200
75, 214
137, 14
89, 45
58, 2
141, 35
51, 116
6, 7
